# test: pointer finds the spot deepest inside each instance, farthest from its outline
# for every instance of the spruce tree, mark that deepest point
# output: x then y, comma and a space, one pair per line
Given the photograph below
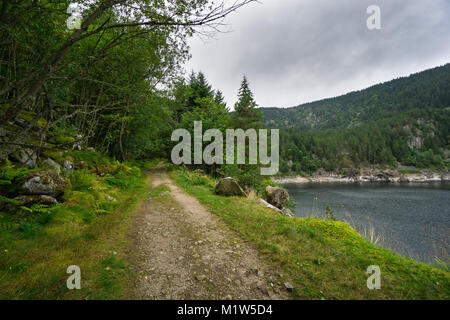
246, 114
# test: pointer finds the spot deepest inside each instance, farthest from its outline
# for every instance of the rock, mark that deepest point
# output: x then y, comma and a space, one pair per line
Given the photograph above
277, 196
26, 157
288, 286
52, 165
201, 278
33, 199
109, 198
287, 212
44, 183
268, 205
21, 122
164, 194
229, 187
68, 165
78, 143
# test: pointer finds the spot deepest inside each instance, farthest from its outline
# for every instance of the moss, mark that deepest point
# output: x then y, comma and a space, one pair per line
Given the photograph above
61, 140
28, 116
56, 155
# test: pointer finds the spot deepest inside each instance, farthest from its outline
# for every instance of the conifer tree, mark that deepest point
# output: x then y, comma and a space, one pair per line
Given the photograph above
246, 114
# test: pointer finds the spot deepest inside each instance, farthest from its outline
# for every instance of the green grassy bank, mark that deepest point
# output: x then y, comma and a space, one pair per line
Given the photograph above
322, 259
89, 228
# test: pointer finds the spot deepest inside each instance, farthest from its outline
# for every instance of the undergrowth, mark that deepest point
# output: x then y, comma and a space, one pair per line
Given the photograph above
87, 228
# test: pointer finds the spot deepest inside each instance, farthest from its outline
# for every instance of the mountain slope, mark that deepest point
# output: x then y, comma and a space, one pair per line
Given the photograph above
429, 89
404, 121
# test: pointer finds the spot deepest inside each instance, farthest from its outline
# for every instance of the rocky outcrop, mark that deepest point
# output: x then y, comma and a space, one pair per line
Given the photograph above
26, 157
277, 197
47, 183
369, 175
28, 200
229, 187
284, 211
268, 205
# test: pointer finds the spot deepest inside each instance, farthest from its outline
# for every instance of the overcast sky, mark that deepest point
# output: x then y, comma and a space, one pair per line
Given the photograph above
296, 51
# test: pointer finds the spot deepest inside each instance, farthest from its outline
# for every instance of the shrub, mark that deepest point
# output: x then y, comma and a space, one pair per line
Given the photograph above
10, 178
82, 180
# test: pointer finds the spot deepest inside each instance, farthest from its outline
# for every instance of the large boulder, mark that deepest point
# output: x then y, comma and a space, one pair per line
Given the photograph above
47, 183
277, 197
229, 187
52, 165
26, 157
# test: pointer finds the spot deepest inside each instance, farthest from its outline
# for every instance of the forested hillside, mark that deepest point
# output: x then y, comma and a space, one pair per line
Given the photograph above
403, 121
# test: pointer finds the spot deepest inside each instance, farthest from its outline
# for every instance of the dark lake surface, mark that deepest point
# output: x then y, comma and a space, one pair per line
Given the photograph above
412, 219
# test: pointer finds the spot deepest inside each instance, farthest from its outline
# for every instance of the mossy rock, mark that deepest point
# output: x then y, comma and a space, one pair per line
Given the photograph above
61, 140
56, 155
28, 200
44, 183
28, 116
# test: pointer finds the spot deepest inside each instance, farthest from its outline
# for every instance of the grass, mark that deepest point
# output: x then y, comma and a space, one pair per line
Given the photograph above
412, 171
322, 259
90, 230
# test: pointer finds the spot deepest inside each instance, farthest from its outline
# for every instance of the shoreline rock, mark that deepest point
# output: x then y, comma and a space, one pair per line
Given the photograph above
277, 197
367, 175
229, 187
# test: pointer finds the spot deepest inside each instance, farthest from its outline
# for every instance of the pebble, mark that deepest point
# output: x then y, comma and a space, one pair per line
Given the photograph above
289, 287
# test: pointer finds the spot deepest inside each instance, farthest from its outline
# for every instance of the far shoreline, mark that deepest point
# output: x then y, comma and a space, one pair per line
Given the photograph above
366, 175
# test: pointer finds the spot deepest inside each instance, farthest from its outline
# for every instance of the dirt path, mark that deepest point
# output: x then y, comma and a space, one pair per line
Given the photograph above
182, 251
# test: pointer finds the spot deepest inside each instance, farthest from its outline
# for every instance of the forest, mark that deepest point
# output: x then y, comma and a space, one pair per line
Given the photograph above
95, 86
116, 84
404, 121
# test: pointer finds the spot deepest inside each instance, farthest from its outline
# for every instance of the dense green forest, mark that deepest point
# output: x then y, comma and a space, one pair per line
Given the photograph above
93, 86
404, 121
116, 84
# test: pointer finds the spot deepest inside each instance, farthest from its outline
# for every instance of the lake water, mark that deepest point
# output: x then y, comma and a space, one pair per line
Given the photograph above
411, 219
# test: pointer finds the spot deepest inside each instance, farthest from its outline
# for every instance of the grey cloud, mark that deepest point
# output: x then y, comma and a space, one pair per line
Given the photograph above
295, 51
